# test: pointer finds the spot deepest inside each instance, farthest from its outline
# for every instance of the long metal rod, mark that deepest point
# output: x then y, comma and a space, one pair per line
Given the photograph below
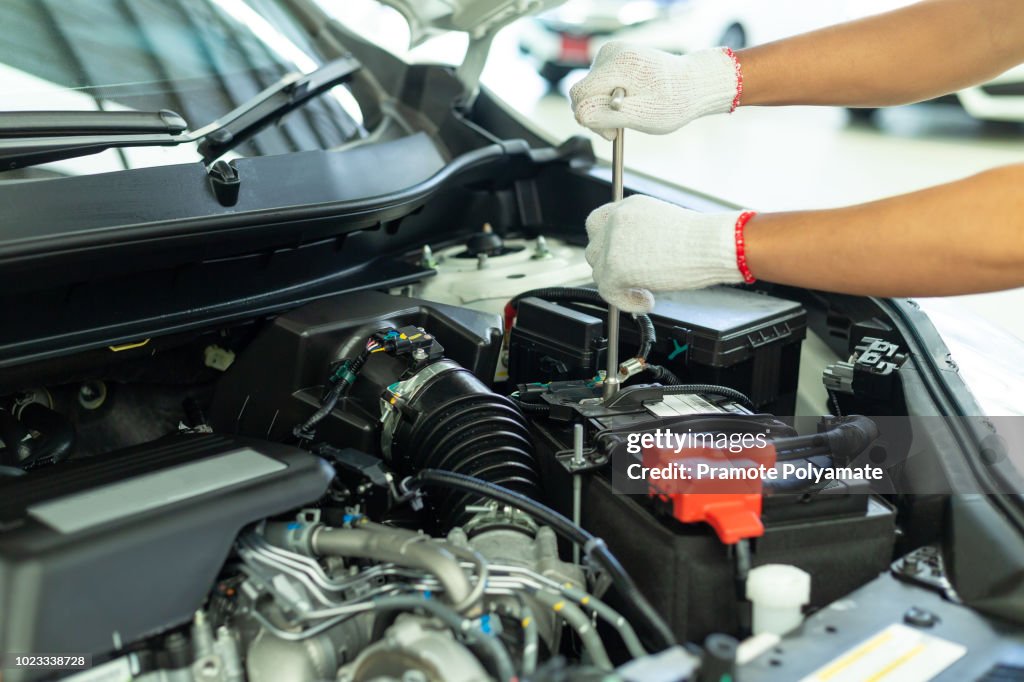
611, 380
577, 484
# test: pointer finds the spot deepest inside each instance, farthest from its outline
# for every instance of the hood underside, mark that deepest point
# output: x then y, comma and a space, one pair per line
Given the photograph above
478, 18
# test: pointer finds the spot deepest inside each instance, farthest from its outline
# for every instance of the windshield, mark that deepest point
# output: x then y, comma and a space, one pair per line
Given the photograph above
199, 58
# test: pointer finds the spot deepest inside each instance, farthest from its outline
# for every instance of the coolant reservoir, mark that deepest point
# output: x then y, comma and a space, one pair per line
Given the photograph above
778, 592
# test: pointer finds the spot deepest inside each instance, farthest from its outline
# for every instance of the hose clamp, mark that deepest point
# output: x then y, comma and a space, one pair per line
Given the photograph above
402, 394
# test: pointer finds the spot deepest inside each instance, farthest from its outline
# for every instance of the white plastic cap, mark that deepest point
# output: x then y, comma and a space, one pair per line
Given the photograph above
778, 593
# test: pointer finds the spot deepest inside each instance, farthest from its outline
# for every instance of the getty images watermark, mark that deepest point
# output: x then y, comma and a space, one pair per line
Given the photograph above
920, 455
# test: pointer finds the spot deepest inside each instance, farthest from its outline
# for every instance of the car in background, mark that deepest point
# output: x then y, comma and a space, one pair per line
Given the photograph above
1000, 99
570, 36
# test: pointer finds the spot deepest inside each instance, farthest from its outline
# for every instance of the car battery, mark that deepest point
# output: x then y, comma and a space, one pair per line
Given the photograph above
839, 530
840, 533
843, 542
730, 337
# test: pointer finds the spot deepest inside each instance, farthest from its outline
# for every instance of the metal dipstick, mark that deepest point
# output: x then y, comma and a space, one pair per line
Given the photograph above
611, 380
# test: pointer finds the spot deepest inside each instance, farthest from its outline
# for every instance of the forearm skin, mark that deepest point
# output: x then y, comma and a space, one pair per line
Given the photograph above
919, 52
960, 238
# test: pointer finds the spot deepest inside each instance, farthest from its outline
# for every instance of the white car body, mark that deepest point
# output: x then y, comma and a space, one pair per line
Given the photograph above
1001, 99
570, 36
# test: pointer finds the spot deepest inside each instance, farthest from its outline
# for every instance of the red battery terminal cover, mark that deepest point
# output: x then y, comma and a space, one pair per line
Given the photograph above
713, 486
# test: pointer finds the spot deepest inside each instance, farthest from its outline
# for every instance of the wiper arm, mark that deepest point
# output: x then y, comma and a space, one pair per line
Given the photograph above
289, 93
33, 137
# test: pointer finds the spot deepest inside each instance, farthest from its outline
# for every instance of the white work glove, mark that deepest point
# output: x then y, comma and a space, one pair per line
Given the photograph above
664, 92
642, 245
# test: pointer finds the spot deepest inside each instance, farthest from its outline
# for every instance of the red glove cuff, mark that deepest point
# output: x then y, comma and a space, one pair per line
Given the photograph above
741, 247
739, 79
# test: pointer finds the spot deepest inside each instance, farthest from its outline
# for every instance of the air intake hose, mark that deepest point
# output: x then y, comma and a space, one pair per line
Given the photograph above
445, 418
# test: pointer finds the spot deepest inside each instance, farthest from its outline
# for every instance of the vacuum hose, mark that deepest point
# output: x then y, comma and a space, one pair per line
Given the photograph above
846, 438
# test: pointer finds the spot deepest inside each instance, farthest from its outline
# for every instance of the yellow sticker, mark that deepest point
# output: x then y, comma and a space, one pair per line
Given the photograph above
896, 654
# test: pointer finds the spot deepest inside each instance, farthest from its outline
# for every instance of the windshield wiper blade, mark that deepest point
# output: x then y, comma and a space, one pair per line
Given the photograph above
32, 151
32, 138
58, 123
28, 138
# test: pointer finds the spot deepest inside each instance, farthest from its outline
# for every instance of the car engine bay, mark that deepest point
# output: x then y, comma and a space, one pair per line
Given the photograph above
340, 413
425, 484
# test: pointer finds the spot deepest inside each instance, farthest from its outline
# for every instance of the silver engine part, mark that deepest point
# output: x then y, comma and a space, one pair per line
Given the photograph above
537, 553
271, 658
373, 602
415, 649
488, 283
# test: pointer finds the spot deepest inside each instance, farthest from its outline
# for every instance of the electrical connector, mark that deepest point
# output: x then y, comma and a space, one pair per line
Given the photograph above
631, 367
407, 340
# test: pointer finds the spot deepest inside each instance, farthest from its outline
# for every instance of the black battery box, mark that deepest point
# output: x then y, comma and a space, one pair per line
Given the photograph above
730, 337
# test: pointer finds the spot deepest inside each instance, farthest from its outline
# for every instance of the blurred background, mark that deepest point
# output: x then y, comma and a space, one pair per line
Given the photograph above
767, 159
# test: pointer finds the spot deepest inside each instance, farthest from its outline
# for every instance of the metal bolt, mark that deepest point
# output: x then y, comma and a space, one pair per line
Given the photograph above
541, 250
92, 394
577, 445
919, 617
209, 668
427, 259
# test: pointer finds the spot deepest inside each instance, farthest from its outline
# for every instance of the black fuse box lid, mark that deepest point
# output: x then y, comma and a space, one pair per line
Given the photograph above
722, 326
570, 330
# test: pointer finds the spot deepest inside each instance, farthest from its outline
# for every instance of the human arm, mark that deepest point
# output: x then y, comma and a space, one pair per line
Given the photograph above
918, 52
926, 49
959, 238
963, 237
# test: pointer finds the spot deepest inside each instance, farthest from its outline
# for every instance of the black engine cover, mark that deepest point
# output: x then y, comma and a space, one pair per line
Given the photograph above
109, 549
